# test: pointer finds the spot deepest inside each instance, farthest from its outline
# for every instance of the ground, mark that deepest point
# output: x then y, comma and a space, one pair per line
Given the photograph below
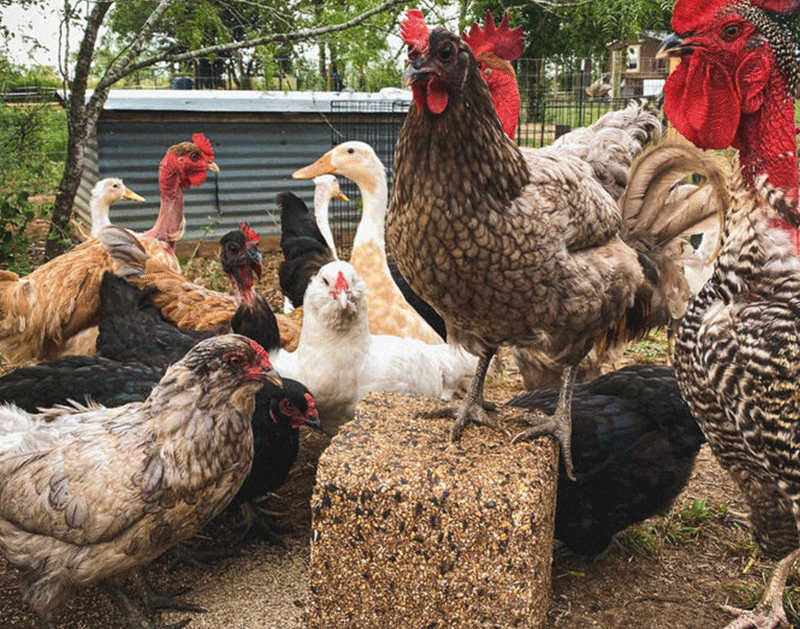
673, 571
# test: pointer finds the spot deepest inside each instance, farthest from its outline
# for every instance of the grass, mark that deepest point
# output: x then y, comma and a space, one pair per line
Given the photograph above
680, 525
654, 348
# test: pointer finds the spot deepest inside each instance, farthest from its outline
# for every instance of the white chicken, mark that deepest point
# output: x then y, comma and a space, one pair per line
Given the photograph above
340, 361
390, 313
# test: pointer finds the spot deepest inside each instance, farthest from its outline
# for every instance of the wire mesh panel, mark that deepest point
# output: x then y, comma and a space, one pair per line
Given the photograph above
378, 124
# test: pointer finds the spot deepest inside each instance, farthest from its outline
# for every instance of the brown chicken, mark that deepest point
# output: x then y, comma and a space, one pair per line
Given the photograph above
39, 312
513, 246
91, 493
184, 303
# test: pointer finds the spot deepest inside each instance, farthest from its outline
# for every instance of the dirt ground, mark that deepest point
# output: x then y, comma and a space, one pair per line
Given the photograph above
674, 571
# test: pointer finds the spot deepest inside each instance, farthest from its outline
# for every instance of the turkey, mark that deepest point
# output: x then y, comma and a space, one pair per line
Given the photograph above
737, 352
515, 246
90, 493
634, 444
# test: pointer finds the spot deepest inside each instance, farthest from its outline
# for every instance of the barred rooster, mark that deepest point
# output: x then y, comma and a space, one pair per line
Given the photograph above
737, 354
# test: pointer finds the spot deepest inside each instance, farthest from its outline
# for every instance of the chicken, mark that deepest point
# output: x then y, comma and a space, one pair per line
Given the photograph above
510, 245
133, 331
91, 493
389, 312
340, 361
737, 356
40, 312
187, 305
634, 443
103, 380
305, 250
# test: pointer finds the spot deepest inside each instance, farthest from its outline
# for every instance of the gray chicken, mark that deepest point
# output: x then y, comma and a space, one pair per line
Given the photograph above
513, 246
88, 494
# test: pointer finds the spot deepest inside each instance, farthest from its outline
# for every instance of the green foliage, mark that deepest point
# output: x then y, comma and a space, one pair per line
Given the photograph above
33, 146
15, 214
579, 30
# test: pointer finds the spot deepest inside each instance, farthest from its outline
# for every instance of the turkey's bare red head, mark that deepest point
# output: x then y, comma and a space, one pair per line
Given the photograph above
439, 63
729, 51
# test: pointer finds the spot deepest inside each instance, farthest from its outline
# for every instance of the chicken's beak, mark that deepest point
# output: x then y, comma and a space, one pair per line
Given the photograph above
255, 260
212, 166
323, 166
130, 194
413, 73
267, 373
674, 46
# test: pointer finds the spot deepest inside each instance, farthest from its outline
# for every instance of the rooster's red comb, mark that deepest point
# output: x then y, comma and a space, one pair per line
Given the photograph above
249, 235
687, 14
201, 141
414, 31
506, 43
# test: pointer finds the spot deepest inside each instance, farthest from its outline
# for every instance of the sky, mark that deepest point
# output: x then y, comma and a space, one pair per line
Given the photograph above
41, 25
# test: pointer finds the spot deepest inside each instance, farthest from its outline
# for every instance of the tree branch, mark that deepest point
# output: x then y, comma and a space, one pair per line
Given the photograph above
299, 35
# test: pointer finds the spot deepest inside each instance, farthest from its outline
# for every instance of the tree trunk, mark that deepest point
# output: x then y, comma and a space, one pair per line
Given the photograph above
79, 120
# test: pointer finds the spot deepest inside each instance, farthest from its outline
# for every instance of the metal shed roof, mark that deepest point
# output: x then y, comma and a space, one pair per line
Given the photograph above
259, 139
244, 101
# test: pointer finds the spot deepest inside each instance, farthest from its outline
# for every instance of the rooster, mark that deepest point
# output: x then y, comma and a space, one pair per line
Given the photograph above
737, 352
340, 361
389, 312
510, 245
40, 312
634, 444
90, 493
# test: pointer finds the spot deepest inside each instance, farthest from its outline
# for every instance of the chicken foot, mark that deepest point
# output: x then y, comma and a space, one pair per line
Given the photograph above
255, 519
559, 425
134, 616
769, 612
473, 407
154, 600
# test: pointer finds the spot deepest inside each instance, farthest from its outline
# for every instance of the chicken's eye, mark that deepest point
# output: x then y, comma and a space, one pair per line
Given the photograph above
195, 156
731, 31
235, 360
445, 52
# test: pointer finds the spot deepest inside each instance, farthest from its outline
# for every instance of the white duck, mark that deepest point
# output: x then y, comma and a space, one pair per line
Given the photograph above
106, 193
389, 312
340, 361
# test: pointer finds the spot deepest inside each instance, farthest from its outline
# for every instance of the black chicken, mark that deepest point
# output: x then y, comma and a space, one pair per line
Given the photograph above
303, 245
634, 443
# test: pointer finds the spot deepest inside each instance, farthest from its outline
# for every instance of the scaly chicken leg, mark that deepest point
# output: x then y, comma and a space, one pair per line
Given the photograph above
473, 408
769, 612
559, 425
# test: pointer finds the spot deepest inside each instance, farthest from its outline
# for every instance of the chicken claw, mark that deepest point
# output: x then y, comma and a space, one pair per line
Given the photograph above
559, 425
769, 613
473, 412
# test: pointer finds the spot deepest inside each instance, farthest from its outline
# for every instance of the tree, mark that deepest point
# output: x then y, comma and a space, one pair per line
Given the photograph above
83, 112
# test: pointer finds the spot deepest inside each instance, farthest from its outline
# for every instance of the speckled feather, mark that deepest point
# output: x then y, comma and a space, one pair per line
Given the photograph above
737, 357
507, 246
89, 493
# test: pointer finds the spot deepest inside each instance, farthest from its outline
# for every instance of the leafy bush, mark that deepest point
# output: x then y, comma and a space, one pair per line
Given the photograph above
15, 214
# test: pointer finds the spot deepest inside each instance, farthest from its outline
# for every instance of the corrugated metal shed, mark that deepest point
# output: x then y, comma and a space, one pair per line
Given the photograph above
259, 139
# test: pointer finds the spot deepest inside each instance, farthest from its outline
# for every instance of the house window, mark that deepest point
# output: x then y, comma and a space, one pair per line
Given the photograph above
633, 57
